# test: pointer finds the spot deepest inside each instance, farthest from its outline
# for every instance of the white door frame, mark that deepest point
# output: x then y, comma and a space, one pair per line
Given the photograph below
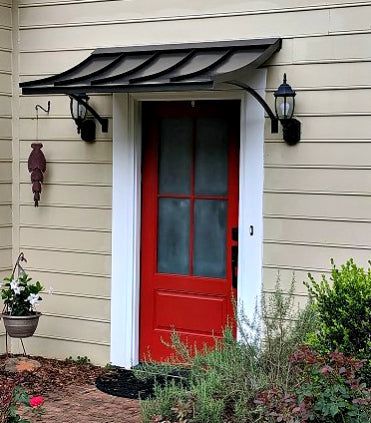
126, 209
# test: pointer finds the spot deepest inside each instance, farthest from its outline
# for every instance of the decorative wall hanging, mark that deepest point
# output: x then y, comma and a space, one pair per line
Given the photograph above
37, 168
36, 160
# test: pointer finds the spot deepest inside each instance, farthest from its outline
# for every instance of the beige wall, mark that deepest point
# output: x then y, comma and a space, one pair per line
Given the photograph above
317, 201
5, 144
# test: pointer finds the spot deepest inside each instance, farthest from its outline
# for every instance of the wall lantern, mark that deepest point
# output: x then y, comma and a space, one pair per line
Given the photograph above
85, 125
284, 110
285, 107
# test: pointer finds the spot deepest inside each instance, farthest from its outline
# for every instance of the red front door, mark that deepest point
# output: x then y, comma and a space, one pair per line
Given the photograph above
189, 222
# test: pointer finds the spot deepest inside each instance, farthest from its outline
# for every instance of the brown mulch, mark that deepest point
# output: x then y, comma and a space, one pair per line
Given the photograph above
70, 393
53, 375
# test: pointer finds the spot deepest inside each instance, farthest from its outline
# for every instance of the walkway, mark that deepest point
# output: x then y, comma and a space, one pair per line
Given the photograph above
86, 404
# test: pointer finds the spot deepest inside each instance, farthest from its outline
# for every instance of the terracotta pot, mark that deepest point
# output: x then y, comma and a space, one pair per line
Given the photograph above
21, 326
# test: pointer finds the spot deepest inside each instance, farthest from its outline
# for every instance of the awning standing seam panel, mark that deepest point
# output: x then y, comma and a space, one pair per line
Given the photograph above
176, 67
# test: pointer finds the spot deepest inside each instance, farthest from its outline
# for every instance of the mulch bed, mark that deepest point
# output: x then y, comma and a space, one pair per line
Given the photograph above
124, 383
52, 376
55, 376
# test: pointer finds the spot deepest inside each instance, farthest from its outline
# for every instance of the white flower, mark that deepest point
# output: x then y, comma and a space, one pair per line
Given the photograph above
33, 299
50, 291
15, 287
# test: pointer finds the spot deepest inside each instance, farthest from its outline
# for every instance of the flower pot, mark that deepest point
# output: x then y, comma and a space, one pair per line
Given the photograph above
21, 326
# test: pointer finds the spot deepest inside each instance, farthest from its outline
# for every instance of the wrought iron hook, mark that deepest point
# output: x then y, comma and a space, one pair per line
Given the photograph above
37, 107
18, 266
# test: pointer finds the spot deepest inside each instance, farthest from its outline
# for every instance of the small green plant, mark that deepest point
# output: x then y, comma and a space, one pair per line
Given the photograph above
108, 366
82, 360
343, 308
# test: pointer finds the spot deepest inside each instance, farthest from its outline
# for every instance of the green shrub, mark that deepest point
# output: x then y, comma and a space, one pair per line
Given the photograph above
343, 307
223, 382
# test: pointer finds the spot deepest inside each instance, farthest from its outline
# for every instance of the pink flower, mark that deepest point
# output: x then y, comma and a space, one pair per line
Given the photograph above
36, 401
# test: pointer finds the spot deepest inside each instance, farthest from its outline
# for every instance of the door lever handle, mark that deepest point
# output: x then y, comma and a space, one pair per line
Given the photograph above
234, 265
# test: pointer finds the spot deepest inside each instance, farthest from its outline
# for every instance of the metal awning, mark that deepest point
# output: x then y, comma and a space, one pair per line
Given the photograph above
175, 67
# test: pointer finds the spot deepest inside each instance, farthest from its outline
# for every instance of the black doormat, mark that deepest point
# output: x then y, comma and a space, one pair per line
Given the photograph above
123, 383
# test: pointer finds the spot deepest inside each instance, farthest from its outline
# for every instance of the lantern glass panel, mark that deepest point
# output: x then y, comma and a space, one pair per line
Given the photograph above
285, 107
78, 110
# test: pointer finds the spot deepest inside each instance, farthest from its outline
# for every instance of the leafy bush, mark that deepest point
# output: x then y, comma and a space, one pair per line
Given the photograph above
327, 390
223, 382
343, 307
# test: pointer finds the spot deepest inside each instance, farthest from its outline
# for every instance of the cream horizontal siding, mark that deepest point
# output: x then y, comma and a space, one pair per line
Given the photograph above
60, 347
194, 5
316, 200
83, 218
5, 147
255, 26
330, 206
73, 283
69, 12
62, 239
6, 39
297, 23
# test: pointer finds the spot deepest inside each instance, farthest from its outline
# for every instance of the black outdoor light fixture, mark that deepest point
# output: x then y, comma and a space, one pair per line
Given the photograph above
85, 125
284, 108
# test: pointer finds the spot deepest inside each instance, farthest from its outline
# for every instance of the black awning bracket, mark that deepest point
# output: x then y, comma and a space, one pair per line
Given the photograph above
284, 108
260, 99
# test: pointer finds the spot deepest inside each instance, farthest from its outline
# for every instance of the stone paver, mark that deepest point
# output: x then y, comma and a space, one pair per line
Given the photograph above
89, 405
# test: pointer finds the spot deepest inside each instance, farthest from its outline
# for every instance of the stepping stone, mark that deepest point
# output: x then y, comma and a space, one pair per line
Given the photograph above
21, 364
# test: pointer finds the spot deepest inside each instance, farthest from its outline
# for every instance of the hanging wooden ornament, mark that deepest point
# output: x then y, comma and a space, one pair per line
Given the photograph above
37, 168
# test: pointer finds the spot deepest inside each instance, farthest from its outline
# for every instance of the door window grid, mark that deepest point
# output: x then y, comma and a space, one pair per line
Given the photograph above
192, 198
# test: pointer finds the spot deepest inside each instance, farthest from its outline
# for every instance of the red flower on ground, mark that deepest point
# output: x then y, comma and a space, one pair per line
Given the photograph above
36, 401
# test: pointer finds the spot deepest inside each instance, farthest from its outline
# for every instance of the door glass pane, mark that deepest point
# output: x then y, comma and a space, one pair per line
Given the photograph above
211, 156
175, 156
173, 236
210, 238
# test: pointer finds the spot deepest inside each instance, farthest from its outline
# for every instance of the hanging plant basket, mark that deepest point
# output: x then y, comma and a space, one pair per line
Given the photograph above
20, 296
21, 326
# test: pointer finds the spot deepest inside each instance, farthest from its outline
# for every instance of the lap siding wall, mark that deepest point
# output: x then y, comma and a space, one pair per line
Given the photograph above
316, 195
5, 144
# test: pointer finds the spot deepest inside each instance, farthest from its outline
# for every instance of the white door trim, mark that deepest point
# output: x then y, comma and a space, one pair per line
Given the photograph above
250, 242
126, 209
126, 198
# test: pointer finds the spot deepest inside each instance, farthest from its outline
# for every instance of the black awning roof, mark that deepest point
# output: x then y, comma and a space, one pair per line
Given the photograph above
175, 67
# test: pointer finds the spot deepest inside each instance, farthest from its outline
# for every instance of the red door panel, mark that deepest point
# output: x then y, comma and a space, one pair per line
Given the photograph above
189, 208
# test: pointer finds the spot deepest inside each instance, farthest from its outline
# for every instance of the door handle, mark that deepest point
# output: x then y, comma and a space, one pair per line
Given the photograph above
234, 265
